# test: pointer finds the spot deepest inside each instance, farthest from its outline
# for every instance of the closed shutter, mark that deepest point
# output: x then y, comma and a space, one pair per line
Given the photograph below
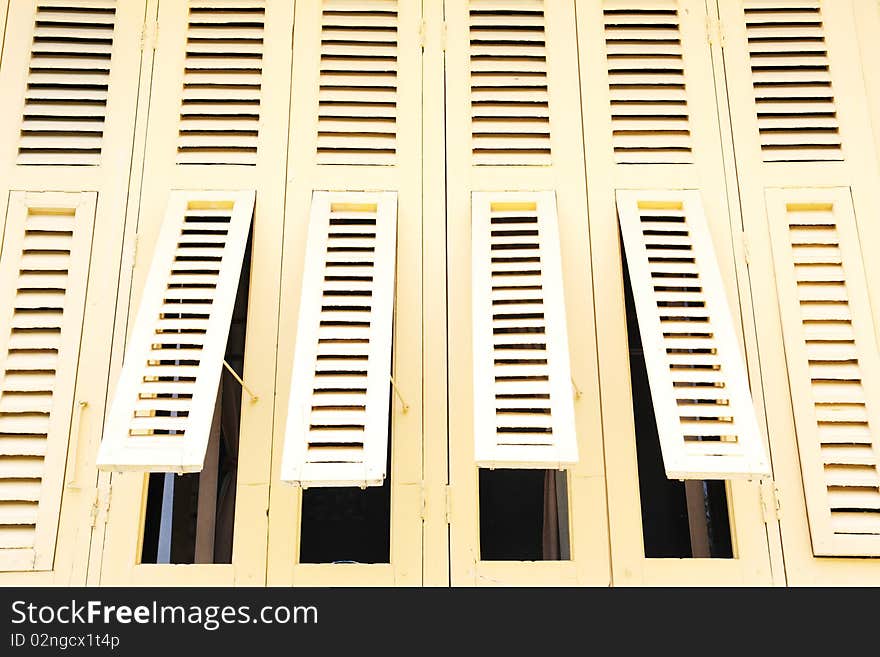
337, 419
68, 79
699, 387
163, 406
833, 363
222, 82
523, 399
646, 77
357, 101
509, 92
791, 77
44, 266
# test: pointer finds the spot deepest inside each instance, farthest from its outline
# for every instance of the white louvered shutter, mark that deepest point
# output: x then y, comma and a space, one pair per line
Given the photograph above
358, 98
44, 268
65, 107
338, 413
222, 82
523, 399
699, 386
163, 406
791, 76
650, 119
833, 363
510, 98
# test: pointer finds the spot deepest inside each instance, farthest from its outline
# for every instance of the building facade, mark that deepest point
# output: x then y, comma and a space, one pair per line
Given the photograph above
440, 292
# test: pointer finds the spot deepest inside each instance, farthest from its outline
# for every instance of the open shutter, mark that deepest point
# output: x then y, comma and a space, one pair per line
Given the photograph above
523, 399
337, 419
68, 82
163, 407
222, 82
699, 387
791, 77
44, 267
834, 365
646, 78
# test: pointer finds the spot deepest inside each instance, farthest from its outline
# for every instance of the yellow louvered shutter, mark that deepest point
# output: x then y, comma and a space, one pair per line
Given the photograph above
222, 82
44, 266
357, 101
650, 118
792, 81
163, 405
68, 79
510, 104
523, 397
337, 419
833, 363
704, 412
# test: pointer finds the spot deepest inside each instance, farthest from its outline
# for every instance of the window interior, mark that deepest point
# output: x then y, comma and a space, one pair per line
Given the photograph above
523, 515
679, 519
189, 518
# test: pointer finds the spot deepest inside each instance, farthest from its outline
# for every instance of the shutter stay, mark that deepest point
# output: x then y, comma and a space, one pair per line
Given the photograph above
254, 398
81, 406
399, 396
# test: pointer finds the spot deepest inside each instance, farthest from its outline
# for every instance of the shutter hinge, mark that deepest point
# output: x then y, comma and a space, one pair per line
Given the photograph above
149, 35
747, 253
101, 506
770, 501
714, 31
423, 30
448, 504
443, 37
423, 501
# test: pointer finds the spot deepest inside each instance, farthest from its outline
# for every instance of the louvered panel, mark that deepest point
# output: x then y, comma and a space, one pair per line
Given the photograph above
222, 82
834, 366
523, 400
510, 102
699, 386
646, 77
791, 76
163, 406
44, 266
357, 102
65, 106
338, 412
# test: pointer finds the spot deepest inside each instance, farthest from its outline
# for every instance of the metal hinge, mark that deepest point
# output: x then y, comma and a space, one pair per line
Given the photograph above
423, 502
443, 37
448, 504
714, 31
149, 35
423, 33
747, 253
770, 501
101, 506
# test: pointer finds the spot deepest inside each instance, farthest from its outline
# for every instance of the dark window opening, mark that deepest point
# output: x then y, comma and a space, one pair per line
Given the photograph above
347, 524
523, 515
189, 518
679, 519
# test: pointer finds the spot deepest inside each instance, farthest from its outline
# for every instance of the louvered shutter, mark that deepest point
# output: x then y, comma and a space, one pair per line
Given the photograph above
222, 82
337, 419
65, 107
44, 266
163, 406
699, 387
523, 399
834, 365
792, 81
357, 102
646, 76
509, 94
